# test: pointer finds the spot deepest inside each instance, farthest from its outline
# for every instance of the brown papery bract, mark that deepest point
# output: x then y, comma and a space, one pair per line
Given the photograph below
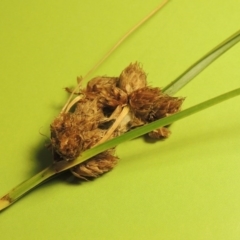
108, 107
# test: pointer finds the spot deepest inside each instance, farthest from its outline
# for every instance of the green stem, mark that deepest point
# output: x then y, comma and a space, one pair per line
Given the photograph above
201, 64
26, 186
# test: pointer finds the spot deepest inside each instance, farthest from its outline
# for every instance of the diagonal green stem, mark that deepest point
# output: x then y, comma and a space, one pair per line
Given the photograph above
26, 186
201, 64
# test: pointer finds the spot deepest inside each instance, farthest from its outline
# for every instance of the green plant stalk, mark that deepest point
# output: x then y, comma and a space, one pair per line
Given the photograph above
201, 64
26, 186
56, 168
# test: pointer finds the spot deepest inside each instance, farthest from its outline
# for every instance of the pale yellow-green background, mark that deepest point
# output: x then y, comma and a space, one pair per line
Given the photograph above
184, 188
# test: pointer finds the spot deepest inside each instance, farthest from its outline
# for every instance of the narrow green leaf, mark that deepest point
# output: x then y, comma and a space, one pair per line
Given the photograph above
201, 64
24, 187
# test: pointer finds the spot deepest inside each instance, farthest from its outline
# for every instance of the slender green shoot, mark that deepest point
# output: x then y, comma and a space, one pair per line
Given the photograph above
201, 64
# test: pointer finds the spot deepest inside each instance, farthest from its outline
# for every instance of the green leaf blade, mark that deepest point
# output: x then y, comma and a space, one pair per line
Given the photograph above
201, 64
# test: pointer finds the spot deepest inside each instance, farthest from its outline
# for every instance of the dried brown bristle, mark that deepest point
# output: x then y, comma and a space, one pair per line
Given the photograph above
108, 107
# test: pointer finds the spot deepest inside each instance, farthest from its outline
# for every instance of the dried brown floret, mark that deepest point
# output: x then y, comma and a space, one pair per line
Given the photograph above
105, 89
150, 104
96, 166
132, 78
97, 84
65, 138
74, 132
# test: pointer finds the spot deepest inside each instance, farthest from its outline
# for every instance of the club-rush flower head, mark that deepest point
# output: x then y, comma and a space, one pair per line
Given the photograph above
109, 107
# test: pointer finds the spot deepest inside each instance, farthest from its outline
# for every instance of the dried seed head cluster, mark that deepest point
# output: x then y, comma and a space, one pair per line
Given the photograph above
108, 107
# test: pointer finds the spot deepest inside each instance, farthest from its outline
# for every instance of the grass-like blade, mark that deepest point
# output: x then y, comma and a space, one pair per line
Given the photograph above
201, 64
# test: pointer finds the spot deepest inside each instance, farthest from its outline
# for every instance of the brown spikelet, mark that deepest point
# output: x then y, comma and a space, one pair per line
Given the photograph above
107, 92
65, 138
96, 166
150, 104
132, 78
96, 84
112, 98
74, 132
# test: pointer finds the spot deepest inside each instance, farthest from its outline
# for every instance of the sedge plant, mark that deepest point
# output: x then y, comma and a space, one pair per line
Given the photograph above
108, 142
